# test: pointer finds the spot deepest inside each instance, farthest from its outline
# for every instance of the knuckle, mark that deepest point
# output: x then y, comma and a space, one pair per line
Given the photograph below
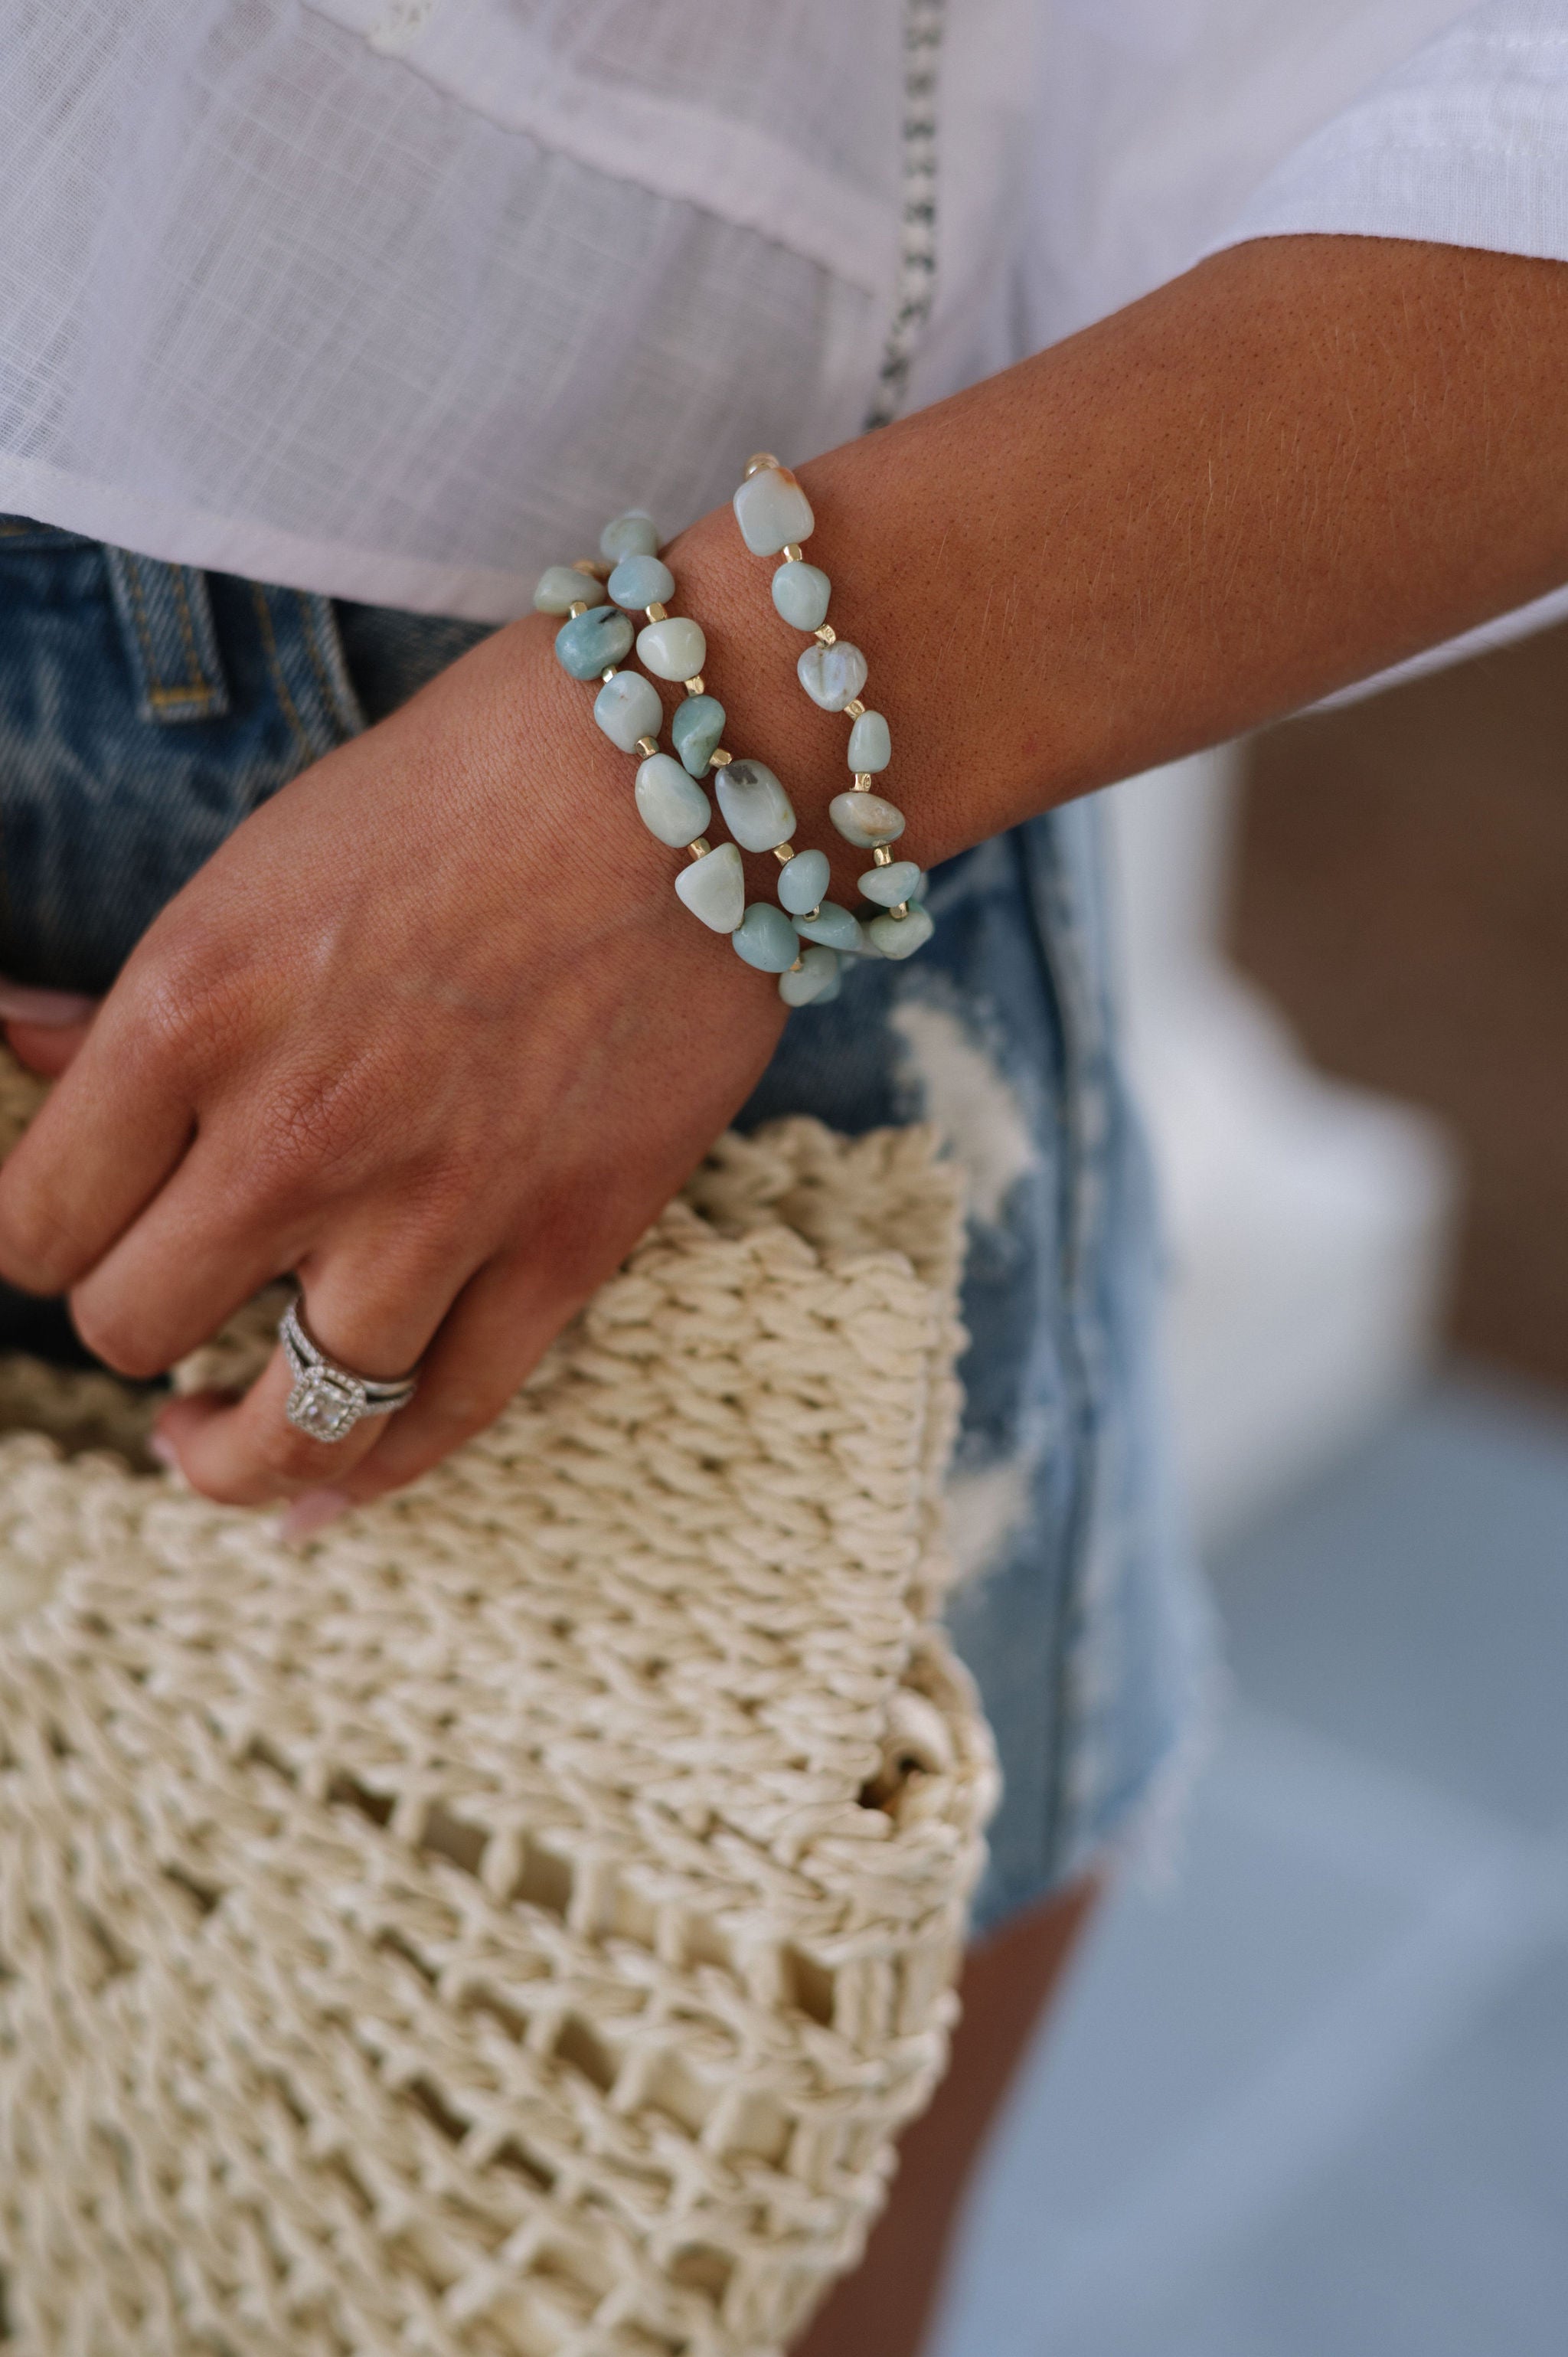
117, 1338
319, 1130
39, 1253
180, 995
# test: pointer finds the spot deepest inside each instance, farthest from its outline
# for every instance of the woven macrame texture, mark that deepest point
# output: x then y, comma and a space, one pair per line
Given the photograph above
519, 1923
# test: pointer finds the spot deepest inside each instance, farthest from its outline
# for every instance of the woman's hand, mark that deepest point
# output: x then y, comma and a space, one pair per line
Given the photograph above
432, 1031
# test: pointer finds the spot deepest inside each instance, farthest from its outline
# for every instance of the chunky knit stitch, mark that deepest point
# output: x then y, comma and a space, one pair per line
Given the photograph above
518, 1923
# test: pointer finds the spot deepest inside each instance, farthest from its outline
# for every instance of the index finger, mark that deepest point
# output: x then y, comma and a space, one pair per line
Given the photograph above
113, 1130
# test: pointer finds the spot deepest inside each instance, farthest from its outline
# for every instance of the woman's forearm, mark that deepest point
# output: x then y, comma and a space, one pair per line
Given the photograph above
1303, 461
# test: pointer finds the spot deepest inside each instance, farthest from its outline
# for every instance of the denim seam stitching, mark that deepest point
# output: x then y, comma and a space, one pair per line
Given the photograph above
331, 701
200, 685
199, 688
274, 664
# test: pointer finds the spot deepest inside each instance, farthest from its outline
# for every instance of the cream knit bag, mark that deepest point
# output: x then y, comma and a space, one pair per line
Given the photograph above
519, 1925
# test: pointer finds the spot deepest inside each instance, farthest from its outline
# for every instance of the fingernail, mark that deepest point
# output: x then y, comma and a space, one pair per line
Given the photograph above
55, 1009
311, 1512
164, 1450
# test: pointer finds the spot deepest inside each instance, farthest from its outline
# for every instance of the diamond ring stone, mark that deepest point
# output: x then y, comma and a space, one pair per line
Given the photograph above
326, 1400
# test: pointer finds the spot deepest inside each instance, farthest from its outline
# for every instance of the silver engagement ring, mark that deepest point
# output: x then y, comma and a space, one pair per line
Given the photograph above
327, 1401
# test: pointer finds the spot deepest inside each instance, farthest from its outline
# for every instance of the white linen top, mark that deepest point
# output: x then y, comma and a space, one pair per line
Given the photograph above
398, 299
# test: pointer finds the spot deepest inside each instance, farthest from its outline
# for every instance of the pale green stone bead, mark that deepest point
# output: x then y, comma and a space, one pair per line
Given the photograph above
640, 581
900, 937
800, 592
673, 649
772, 511
627, 708
802, 882
713, 888
590, 642
765, 937
561, 587
890, 885
668, 803
757, 810
832, 676
833, 926
632, 534
819, 969
870, 745
865, 819
694, 732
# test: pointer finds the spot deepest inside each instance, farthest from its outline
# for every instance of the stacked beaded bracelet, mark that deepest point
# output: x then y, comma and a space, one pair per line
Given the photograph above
596, 599
775, 516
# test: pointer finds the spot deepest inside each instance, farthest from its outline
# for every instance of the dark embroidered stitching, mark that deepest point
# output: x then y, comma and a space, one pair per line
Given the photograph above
916, 288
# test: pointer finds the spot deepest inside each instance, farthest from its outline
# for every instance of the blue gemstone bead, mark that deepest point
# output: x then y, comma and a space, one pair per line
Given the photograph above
900, 937
870, 743
561, 587
675, 647
801, 592
591, 642
832, 676
713, 888
772, 511
632, 534
758, 811
891, 885
765, 937
627, 708
694, 732
865, 819
832, 925
640, 581
668, 804
802, 882
818, 972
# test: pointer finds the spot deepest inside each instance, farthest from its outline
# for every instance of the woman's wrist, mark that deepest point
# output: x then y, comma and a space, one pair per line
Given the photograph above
1305, 460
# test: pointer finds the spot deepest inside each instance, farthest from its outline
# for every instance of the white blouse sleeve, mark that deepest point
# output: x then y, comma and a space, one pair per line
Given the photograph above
1466, 144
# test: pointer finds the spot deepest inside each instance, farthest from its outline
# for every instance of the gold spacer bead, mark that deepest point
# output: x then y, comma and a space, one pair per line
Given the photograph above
648, 747
578, 605
719, 759
693, 687
854, 708
827, 634
863, 782
783, 853
900, 910
882, 856
656, 612
608, 676
586, 564
699, 848
798, 965
792, 552
816, 912
757, 461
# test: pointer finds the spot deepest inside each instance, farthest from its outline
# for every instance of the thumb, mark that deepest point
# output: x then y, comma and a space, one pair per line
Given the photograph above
44, 1028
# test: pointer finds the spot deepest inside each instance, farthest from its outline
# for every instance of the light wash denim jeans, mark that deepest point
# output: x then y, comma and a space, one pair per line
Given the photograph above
145, 709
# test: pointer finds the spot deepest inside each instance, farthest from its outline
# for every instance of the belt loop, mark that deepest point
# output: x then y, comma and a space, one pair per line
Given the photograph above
166, 620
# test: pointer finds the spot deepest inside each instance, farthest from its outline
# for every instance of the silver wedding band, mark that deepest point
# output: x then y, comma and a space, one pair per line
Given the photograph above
327, 1401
